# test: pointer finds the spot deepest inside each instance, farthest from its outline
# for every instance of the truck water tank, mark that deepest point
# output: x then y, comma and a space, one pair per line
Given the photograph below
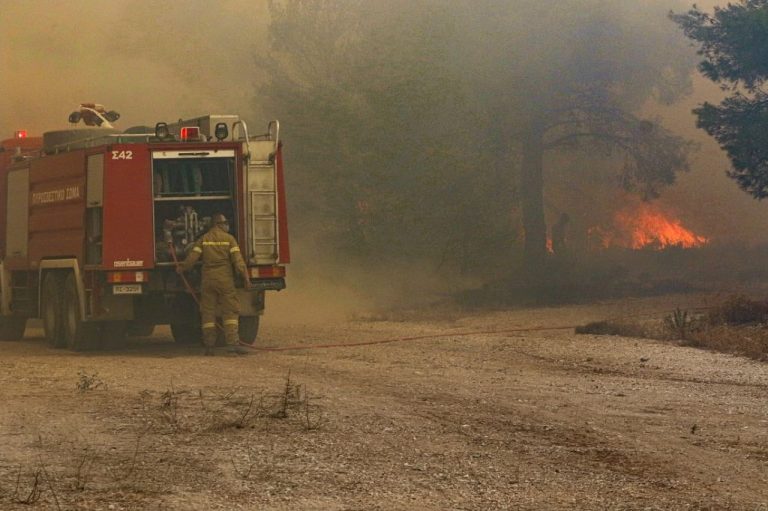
63, 140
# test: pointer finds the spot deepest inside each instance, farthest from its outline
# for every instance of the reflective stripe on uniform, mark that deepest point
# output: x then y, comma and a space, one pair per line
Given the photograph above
230, 321
197, 249
216, 243
209, 325
234, 249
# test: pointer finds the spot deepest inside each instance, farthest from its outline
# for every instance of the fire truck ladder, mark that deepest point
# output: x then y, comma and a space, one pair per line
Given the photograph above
261, 195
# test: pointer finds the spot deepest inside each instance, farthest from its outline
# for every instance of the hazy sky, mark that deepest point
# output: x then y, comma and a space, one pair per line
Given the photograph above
150, 61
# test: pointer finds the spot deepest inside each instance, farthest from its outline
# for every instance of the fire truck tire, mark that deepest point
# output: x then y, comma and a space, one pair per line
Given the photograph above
78, 334
249, 328
12, 328
51, 310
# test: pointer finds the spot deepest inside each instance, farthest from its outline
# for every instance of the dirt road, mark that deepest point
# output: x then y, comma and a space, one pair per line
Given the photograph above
532, 420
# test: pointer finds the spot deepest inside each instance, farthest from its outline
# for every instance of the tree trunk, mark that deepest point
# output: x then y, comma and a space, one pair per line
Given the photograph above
532, 199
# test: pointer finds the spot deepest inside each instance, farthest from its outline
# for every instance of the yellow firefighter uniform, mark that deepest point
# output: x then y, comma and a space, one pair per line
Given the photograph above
220, 254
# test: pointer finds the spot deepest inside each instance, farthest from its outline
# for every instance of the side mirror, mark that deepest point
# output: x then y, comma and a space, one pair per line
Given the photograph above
112, 116
75, 117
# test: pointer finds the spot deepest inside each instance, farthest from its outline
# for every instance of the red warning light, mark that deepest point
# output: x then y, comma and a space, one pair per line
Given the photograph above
190, 133
20, 134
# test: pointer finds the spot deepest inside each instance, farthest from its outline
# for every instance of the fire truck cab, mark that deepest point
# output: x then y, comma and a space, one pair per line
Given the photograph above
96, 219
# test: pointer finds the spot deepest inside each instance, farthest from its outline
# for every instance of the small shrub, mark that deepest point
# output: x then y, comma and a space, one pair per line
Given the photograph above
737, 326
87, 381
612, 328
289, 399
679, 323
739, 310
749, 341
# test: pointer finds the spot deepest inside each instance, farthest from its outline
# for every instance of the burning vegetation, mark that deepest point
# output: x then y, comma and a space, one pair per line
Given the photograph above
645, 226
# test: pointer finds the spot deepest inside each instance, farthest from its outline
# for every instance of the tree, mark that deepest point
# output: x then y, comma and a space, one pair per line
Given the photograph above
734, 43
381, 161
596, 64
650, 156
421, 124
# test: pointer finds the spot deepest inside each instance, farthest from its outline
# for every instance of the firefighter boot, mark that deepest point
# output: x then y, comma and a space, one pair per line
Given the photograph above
239, 349
231, 334
232, 337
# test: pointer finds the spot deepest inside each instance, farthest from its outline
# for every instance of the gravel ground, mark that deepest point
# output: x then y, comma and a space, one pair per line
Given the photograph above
474, 414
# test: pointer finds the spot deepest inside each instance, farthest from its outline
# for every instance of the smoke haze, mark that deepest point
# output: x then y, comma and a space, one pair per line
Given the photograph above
154, 61
150, 61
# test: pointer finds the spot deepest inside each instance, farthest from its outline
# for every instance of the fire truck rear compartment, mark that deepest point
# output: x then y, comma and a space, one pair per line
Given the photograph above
187, 192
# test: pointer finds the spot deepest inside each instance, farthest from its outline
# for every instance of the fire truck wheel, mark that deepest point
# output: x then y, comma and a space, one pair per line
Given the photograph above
51, 310
78, 334
12, 328
249, 328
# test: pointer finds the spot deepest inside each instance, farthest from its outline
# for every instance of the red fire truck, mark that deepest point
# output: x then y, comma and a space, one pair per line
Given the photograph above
96, 218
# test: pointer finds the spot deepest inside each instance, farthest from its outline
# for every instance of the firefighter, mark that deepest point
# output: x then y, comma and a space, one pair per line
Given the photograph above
221, 254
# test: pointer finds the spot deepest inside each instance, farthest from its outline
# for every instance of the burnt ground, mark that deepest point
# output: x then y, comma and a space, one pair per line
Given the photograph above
473, 414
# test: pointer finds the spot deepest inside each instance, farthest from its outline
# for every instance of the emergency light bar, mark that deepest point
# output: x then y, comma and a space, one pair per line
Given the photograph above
20, 134
190, 133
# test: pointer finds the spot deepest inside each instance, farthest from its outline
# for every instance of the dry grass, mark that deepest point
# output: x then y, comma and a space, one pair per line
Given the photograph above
749, 341
198, 411
86, 382
623, 329
160, 437
738, 326
739, 310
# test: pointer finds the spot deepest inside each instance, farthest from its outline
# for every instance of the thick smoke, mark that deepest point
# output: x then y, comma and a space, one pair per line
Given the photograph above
163, 61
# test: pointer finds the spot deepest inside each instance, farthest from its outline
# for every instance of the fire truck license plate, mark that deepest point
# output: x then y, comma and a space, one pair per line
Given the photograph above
126, 289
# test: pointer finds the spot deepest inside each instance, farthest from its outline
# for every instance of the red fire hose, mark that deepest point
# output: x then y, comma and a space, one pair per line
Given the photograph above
191, 291
189, 288
411, 338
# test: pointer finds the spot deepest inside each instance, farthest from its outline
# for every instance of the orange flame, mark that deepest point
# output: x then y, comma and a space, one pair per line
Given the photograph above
645, 226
